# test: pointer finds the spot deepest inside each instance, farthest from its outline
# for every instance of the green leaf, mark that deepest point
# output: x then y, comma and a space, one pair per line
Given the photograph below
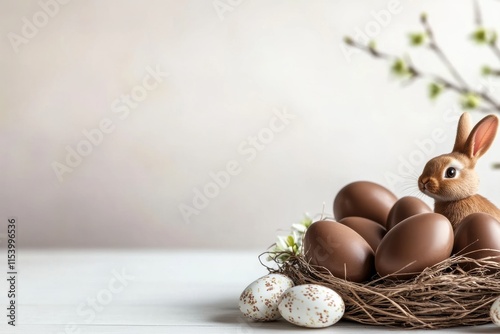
282, 258
307, 221
435, 90
470, 101
493, 37
486, 70
480, 35
400, 68
417, 39
348, 40
423, 17
290, 241
484, 36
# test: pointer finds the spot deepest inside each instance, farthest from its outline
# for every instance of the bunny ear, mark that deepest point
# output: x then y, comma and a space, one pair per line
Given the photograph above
463, 131
481, 137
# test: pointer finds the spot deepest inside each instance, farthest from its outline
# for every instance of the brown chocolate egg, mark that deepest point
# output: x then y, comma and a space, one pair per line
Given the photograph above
475, 232
364, 199
405, 207
414, 244
371, 231
339, 249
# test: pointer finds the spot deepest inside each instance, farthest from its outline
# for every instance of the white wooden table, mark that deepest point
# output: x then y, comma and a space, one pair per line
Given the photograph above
144, 292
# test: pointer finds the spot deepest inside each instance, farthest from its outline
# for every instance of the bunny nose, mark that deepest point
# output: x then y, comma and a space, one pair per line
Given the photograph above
423, 182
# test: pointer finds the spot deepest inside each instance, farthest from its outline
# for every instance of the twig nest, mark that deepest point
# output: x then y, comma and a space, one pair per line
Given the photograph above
441, 296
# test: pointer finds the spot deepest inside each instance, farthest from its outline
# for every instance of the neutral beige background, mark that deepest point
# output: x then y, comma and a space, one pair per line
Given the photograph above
228, 75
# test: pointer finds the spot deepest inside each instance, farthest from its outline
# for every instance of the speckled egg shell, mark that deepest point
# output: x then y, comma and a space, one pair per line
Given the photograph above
312, 306
495, 312
259, 301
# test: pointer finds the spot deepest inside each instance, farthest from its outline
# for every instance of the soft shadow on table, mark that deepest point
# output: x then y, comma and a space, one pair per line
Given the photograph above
230, 315
486, 329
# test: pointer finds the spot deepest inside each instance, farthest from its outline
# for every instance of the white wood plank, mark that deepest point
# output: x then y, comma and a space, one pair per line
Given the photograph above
276, 327
171, 292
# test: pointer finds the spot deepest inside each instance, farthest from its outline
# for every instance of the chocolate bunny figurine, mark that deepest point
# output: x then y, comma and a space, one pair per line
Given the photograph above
451, 179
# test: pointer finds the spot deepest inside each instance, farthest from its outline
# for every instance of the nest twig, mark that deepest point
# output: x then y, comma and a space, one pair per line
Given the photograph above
442, 296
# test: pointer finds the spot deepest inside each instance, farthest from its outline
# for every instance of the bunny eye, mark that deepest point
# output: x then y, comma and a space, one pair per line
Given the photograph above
451, 172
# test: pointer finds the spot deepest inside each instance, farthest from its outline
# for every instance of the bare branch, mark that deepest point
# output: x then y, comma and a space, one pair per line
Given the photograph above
415, 73
496, 50
435, 47
478, 17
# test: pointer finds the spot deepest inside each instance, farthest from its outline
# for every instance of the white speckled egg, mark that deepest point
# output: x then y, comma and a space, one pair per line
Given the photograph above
311, 305
495, 312
259, 301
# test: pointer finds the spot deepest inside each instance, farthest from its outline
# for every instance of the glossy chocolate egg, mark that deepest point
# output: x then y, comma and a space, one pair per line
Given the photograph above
477, 231
339, 249
405, 207
364, 199
371, 231
414, 244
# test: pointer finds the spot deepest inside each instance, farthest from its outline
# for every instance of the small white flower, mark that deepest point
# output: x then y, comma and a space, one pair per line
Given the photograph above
281, 243
292, 244
297, 236
299, 227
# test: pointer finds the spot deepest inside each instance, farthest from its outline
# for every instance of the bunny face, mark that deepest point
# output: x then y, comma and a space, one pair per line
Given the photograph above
449, 177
